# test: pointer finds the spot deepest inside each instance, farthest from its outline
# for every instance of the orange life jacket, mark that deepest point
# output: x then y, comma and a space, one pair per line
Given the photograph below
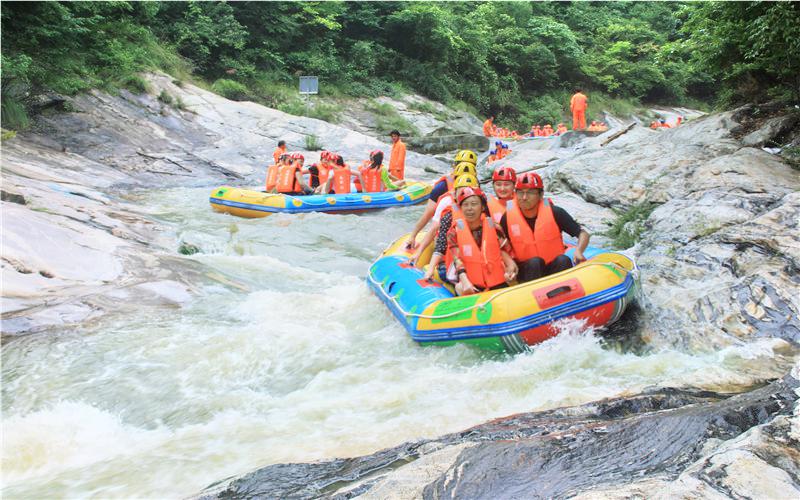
496, 207
272, 176
372, 179
324, 172
287, 181
544, 241
341, 180
484, 265
276, 155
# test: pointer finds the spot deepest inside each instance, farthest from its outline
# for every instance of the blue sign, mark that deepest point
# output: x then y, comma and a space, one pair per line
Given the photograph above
309, 85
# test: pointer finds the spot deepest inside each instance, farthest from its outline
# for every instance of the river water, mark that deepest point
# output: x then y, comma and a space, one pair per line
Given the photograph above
286, 356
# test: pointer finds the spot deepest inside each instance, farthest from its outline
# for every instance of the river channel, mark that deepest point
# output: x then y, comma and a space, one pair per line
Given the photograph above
286, 356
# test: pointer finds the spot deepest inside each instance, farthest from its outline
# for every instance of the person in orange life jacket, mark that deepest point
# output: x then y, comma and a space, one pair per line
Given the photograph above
663, 123
478, 247
441, 223
465, 175
397, 160
290, 177
376, 177
272, 172
492, 156
506, 151
534, 226
440, 188
578, 107
339, 177
281, 149
498, 148
503, 180
653, 124
318, 172
561, 129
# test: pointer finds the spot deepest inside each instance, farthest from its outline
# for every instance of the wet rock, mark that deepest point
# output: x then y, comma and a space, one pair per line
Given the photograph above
13, 197
188, 248
770, 130
610, 447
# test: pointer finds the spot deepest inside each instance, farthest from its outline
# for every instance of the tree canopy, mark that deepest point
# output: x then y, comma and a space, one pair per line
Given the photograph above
514, 59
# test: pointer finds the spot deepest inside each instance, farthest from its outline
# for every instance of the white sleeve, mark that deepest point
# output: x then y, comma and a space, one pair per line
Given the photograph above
444, 202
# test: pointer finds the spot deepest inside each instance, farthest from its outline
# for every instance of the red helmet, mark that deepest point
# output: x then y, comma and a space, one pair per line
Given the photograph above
469, 191
530, 180
504, 174
323, 155
298, 156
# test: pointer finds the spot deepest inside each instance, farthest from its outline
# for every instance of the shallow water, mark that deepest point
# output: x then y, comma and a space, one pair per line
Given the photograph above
297, 362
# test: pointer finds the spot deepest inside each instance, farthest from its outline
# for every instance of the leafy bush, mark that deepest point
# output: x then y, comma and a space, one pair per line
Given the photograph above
312, 143
231, 89
165, 97
626, 230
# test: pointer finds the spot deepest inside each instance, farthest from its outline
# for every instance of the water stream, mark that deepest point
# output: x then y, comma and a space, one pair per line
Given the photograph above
292, 360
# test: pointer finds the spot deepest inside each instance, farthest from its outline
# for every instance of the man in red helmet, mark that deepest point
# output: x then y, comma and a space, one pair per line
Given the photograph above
534, 226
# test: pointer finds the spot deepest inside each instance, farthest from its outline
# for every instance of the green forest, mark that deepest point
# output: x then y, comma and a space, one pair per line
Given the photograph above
517, 60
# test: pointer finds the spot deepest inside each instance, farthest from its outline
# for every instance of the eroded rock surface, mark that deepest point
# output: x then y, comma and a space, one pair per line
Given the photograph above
680, 442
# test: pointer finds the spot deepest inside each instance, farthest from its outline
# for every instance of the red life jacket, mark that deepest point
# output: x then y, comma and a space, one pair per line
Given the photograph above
272, 176
287, 181
544, 241
341, 180
484, 265
372, 179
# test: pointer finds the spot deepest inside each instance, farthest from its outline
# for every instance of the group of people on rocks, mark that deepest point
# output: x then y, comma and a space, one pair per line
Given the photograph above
331, 175
486, 242
577, 105
546, 130
662, 123
492, 130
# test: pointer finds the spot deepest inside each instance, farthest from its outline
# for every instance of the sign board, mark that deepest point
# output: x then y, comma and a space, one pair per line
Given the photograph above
309, 85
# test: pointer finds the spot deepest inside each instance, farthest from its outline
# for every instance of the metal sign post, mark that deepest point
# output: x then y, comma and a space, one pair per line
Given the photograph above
308, 85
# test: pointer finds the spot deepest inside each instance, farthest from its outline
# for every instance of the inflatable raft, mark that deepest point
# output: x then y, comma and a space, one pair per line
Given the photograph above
249, 203
510, 319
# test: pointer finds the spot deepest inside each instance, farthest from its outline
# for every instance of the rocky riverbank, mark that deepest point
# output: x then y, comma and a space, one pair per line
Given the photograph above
76, 248
715, 216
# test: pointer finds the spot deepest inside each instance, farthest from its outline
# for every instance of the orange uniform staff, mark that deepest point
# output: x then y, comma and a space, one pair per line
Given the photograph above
397, 161
578, 106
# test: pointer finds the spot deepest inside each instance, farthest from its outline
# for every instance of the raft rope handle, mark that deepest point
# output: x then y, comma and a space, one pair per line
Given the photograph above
490, 299
404, 191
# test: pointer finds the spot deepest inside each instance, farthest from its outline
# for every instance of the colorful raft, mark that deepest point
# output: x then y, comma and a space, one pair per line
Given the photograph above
510, 319
249, 203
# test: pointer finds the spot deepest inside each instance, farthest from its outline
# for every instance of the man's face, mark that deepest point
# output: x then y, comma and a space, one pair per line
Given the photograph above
395, 137
528, 198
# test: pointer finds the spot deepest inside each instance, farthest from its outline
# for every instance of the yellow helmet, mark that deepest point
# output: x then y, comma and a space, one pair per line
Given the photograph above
464, 168
467, 156
466, 180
